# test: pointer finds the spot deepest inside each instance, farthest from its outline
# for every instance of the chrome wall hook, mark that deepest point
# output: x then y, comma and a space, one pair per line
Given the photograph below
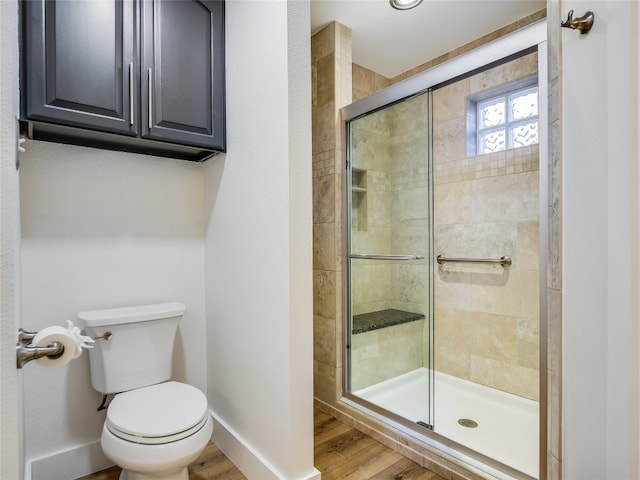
582, 24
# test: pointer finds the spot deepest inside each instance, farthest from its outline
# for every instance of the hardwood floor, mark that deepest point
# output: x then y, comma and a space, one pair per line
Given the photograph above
341, 453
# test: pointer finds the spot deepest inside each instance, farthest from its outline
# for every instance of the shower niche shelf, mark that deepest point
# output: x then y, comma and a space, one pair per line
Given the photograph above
358, 180
358, 199
366, 322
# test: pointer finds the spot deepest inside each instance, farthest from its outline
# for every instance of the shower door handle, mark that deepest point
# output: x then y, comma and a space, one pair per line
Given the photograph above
375, 256
504, 260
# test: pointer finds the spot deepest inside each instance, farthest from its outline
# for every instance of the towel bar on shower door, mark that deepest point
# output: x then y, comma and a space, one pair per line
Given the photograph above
505, 260
375, 256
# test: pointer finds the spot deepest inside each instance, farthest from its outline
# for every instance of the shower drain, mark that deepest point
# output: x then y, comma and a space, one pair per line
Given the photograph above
468, 423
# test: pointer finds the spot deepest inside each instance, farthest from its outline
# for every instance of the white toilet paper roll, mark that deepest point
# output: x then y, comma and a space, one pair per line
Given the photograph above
47, 336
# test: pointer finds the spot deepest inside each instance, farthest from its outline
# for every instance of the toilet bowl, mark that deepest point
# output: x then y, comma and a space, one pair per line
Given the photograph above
156, 432
154, 427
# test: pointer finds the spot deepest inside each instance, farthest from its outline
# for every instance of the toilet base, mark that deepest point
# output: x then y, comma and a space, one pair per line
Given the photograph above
179, 474
156, 462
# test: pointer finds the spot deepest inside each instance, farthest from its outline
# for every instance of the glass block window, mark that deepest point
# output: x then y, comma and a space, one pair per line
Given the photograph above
507, 121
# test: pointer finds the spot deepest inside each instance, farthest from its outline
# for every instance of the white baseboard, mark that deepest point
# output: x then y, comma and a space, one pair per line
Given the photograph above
253, 465
73, 463
315, 475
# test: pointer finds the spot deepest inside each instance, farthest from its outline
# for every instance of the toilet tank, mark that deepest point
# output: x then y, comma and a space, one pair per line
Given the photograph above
139, 349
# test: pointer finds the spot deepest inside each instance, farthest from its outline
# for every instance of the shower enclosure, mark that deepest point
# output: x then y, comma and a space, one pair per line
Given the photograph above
442, 288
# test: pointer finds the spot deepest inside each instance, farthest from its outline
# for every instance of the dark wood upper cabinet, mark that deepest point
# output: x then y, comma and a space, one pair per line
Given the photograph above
182, 70
80, 60
136, 75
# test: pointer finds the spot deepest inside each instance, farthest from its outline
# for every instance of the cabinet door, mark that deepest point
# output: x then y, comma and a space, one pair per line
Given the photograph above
183, 72
80, 63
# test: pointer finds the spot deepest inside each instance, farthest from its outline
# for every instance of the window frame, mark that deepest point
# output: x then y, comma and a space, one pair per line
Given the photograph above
503, 92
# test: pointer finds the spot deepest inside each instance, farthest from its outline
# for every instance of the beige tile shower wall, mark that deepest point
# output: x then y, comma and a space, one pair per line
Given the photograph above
372, 280
390, 152
367, 82
390, 155
486, 317
331, 90
410, 203
386, 353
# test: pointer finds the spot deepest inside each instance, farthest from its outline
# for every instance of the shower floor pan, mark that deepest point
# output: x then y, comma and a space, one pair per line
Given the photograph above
507, 425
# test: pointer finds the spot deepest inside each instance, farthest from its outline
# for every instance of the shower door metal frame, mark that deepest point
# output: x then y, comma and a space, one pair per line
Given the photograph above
528, 38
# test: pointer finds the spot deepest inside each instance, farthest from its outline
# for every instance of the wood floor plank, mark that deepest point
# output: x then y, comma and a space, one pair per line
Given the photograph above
405, 469
328, 429
373, 466
340, 453
320, 416
364, 454
213, 464
111, 473
211, 454
328, 453
340, 443
219, 471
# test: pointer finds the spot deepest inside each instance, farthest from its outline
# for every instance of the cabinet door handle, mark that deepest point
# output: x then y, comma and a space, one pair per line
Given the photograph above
150, 99
131, 94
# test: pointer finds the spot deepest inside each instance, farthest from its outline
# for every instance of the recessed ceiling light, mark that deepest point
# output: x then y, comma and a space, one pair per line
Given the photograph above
404, 4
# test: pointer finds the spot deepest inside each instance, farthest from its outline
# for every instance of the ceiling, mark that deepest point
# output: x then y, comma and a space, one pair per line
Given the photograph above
390, 41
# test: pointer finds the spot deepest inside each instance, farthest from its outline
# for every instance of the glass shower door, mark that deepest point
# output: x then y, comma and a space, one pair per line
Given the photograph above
389, 291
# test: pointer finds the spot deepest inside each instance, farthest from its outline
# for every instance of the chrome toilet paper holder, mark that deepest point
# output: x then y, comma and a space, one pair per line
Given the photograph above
25, 352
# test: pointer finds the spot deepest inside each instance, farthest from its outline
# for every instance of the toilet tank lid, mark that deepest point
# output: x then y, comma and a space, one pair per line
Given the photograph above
117, 316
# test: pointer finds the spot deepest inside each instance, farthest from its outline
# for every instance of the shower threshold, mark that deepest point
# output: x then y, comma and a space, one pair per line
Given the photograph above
507, 425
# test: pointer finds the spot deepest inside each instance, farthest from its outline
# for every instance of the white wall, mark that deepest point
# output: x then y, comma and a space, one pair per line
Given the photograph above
11, 451
601, 267
103, 229
258, 241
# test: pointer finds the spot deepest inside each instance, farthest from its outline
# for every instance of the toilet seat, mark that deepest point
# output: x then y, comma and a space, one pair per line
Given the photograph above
162, 413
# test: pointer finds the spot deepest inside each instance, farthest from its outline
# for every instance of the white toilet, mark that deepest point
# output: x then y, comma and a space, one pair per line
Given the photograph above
154, 427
